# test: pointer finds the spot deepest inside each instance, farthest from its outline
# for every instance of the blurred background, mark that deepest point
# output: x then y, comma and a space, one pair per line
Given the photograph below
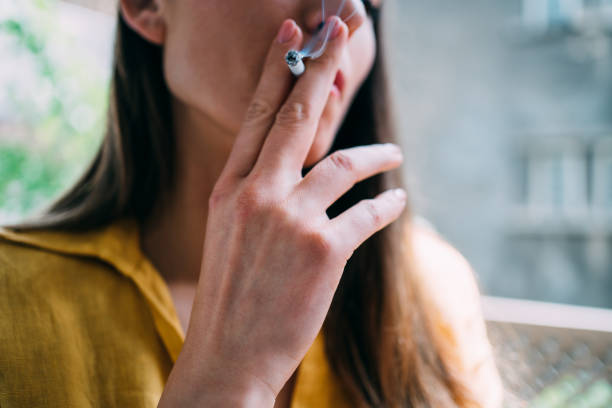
504, 107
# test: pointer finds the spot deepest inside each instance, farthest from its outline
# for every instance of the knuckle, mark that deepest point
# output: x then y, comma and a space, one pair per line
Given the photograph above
257, 111
293, 114
319, 244
252, 195
217, 197
341, 160
214, 200
250, 201
373, 212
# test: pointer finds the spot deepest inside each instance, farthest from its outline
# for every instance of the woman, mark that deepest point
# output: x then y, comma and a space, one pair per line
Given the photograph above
216, 252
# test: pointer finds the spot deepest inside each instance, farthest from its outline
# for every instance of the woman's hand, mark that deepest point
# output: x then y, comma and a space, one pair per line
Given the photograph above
272, 258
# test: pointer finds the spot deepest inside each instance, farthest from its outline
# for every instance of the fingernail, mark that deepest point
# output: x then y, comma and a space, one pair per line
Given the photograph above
400, 193
393, 147
286, 32
335, 27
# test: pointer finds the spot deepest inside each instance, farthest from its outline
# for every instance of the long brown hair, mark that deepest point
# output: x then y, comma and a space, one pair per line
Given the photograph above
377, 336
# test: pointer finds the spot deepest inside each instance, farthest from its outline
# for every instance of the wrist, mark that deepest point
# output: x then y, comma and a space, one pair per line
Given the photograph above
214, 387
213, 396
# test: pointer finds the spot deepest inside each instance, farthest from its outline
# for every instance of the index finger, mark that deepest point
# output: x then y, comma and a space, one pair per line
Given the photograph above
271, 91
293, 131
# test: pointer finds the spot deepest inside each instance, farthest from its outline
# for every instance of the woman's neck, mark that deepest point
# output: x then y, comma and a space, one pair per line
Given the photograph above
172, 237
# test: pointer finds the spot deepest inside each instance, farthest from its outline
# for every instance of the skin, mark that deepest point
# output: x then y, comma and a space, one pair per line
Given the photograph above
243, 241
210, 100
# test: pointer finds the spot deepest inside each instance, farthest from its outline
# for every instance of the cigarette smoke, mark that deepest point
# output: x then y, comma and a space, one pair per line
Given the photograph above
344, 9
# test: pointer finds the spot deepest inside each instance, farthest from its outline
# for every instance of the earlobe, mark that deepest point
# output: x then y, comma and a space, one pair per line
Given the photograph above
145, 20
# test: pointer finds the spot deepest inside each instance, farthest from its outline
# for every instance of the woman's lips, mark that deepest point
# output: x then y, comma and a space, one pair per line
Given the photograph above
338, 85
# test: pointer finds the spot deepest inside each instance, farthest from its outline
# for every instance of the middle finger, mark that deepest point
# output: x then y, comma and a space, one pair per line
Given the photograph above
292, 133
338, 173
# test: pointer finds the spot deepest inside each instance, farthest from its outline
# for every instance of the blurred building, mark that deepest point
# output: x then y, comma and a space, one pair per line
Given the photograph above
505, 110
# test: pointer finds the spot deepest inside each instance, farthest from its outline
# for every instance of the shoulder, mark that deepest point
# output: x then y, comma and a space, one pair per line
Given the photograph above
446, 275
74, 318
40, 286
59, 273
451, 297
84, 256
26, 265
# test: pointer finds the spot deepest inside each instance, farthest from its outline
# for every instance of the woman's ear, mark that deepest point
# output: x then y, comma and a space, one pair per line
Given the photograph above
145, 17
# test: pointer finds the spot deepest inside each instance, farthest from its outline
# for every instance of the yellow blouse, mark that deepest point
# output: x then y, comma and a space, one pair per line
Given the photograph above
86, 320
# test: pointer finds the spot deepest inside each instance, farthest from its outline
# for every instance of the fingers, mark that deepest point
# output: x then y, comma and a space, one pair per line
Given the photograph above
271, 91
356, 15
338, 172
352, 12
292, 134
365, 218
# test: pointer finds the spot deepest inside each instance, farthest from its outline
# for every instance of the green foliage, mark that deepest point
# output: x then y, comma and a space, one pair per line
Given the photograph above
59, 102
28, 179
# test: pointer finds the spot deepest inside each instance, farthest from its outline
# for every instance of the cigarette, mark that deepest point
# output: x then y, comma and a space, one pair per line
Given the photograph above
295, 63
